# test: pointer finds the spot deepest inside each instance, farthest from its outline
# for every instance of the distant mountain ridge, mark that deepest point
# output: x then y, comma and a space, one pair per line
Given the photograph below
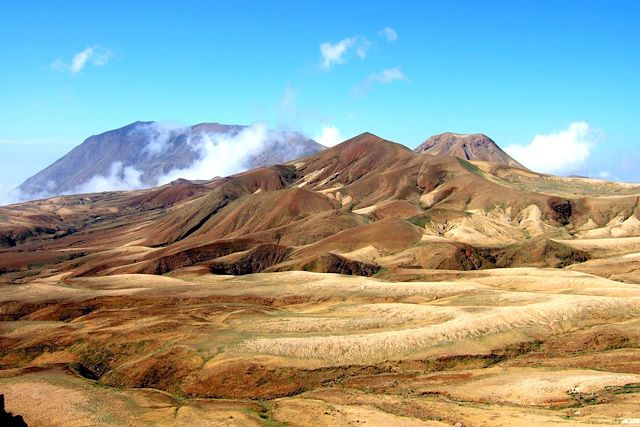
146, 154
151, 151
467, 146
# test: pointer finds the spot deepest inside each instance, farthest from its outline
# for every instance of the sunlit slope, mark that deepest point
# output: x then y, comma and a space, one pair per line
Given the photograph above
326, 209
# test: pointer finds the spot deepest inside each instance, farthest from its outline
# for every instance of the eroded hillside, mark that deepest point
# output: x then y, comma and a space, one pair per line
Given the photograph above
367, 200
364, 284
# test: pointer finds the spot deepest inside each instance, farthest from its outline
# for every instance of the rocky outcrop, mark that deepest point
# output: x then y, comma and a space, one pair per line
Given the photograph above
254, 261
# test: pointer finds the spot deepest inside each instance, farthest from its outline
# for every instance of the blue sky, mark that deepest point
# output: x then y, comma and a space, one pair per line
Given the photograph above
565, 74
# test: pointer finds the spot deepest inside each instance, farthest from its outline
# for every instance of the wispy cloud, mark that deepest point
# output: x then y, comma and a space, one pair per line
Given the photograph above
95, 55
339, 52
333, 53
8, 194
389, 34
563, 152
336, 53
287, 102
329, 136
384, 77
362, 47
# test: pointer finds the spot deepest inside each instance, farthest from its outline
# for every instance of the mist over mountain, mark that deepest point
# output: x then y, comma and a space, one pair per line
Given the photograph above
146, 154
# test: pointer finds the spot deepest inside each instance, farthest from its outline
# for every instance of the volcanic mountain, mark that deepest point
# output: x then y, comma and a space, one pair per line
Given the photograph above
366, 200
143, 154
363, 283
467, 146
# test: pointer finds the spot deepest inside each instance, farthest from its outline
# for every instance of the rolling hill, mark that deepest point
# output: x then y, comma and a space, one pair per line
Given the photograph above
364, 195
364, 283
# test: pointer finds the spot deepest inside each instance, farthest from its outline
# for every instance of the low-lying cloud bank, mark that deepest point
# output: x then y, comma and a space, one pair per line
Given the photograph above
8, 195
223, 154
218, 154
119, 178
562, 153
214, 154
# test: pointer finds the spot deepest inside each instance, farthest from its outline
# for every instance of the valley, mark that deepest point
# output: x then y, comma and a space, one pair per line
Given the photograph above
364, 284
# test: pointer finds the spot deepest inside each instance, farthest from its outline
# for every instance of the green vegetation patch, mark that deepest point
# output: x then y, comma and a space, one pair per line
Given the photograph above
421, 220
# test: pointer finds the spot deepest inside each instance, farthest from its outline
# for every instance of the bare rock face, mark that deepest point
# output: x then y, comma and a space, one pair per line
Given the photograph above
467, 146
256, 260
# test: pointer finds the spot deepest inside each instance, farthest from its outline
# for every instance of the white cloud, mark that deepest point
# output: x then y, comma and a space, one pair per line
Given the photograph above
119, 178
389, 33
563, 152
8, 195
80, 59
336, 53
96, 55
223, 154
329, 136
158, 136
387, 76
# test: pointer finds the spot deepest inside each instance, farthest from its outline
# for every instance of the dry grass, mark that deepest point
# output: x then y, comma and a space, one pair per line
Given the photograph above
276, 334
516, 346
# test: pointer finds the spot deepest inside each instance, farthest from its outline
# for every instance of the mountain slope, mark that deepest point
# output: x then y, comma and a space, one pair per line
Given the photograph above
469, 147
365, 204
133, 289
145, 154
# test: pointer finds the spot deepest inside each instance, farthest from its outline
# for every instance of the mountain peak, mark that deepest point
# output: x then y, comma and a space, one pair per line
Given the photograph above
480, 136
100, 161
135, 124
475, 146
371, 138
366, 134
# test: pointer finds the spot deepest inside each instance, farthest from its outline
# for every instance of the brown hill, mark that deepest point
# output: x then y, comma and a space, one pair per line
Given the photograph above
497, 295
367, 200
467, 146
